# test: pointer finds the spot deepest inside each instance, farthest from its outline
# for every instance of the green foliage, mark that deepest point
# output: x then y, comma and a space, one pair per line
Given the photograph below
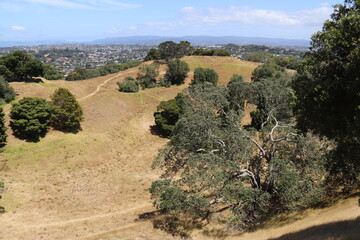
7, 93
153, 54
3, 129
211, 52
128, 85
289, 62
258, 57
168, 50
66, 111
267, 70
328, 84
239, 91
82, 74
52, 73
168, 113
114, 68
177, 71
20, 66
202, 75
147, 75
29, 118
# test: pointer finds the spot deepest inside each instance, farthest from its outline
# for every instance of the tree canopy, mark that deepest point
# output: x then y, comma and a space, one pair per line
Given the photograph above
3, 128
202, 75
327, 87
66, 112
20, 66
177, 71
29, 118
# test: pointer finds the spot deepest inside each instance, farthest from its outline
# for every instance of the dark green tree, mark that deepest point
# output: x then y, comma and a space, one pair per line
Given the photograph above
7, 93
177, 71
168, 50
168, 113
328, 84
29, 118
20, 66
239, 92
66, 114
147, 75
267, 70
153, 54
3, 128
202, 75
128, 85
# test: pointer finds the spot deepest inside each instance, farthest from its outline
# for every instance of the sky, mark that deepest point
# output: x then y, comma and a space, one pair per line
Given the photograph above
86, 20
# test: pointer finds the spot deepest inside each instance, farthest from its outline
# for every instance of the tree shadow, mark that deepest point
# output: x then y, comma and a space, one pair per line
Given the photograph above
341, 230
154, 130
26, 80
170, 224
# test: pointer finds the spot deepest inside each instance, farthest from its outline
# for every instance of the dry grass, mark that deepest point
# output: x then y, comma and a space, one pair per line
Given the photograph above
94, 184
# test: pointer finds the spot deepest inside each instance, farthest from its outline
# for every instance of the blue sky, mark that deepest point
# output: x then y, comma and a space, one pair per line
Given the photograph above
79, 20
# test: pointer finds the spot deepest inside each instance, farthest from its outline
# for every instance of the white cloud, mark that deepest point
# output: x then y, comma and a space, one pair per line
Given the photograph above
17, 28
85, 4
246, 15
114, 31
132, 28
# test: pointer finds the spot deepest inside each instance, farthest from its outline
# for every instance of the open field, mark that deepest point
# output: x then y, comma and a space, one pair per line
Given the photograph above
94, 184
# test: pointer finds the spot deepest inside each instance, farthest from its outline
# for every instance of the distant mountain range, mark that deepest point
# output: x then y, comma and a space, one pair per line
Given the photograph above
202, 40
154, 40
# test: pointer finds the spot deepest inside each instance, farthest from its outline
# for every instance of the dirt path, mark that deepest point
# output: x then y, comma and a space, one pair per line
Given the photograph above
98, 88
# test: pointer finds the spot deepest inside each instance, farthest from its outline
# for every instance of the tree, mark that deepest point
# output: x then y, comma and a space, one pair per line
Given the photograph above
3, 128
153, 54
167, 115
29, 118
328, 84
267, 70
52, 73
239, 92
212, 164
147, 75
202, 75
128, 85
1, 192
20, 66
258, 57
66, 114
7, 93
168, 50
177, 71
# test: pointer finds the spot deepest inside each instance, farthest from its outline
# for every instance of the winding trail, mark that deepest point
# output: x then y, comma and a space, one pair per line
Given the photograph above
98, 88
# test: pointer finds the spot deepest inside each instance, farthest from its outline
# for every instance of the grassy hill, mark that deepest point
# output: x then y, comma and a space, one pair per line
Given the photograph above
94, 184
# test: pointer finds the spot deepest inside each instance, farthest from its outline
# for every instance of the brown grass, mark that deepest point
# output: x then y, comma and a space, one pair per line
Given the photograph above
94, 184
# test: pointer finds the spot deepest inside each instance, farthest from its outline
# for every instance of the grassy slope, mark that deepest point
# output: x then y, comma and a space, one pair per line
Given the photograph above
95, 183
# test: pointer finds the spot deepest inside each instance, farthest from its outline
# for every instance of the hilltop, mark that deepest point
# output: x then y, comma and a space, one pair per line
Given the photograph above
94, 185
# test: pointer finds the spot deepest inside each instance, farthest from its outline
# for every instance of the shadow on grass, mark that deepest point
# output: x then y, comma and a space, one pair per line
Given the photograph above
342, 230
156, 131
27, 80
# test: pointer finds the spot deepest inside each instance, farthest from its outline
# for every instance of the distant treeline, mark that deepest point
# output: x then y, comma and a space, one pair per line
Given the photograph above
82, 73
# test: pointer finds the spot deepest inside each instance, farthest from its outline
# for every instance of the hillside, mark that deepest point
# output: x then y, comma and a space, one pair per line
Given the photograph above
94, 184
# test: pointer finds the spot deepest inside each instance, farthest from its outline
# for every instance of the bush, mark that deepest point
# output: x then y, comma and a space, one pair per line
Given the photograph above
29, 118
66, 111
128, 85
3, 129
7, 93
202, 75
52, 73
177, 71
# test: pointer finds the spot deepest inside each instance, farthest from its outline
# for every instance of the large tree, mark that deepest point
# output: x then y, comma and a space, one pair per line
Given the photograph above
20, 66
177, 71
213, 164
328, 84
66, 114
202, 75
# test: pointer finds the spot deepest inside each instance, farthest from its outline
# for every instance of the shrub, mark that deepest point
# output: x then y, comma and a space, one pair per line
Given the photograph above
66, 111
202, 75
29, 118
128, 85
